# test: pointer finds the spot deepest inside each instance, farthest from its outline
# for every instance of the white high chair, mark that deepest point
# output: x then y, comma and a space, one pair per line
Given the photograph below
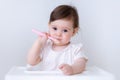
91, 73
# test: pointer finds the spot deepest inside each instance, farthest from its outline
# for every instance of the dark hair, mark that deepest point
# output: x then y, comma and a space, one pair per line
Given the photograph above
65, 12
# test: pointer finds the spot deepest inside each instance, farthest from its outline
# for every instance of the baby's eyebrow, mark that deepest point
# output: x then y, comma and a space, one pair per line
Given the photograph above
63, 27
66, 28
53, 25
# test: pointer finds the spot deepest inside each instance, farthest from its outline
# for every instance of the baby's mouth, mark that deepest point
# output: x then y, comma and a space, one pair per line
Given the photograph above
57, 40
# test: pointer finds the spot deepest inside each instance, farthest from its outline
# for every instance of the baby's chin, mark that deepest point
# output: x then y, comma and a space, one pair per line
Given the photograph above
59, 44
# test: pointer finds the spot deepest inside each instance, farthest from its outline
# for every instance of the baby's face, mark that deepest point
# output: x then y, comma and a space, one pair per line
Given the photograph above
62, 30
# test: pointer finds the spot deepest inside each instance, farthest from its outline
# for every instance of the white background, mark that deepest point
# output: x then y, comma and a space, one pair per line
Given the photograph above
99, 22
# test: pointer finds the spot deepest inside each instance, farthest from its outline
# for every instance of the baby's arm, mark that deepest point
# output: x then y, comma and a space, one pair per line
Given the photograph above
77, 67
33, 57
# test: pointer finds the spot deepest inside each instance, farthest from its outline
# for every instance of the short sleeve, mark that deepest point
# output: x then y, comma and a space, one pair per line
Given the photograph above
79, 52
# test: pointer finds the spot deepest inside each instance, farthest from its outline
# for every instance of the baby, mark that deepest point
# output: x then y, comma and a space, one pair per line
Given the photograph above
59, 53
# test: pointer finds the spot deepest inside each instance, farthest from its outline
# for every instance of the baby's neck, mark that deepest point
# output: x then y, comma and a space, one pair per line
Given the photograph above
59, 47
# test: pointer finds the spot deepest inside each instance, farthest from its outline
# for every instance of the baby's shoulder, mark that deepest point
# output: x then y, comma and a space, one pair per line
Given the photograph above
76, 45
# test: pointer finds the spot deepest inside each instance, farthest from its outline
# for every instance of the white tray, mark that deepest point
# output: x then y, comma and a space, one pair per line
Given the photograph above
91, 73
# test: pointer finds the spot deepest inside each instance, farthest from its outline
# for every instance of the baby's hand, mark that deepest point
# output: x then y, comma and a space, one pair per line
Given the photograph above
43, 38
66, 69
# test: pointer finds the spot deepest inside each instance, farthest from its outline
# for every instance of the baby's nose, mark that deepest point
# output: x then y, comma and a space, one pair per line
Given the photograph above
58, 33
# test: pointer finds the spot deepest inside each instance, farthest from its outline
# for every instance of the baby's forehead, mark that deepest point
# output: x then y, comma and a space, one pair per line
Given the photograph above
62, 23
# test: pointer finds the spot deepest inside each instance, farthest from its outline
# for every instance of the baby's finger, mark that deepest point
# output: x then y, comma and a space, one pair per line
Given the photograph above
61, 66
53, 39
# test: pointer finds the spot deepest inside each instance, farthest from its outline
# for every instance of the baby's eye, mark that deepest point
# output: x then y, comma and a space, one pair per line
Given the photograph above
65, 30
54, 28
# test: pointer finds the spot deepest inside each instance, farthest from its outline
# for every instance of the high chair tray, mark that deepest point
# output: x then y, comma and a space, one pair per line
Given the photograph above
91, 73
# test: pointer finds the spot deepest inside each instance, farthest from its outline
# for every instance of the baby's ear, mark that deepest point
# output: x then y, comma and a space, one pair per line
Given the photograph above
75, 31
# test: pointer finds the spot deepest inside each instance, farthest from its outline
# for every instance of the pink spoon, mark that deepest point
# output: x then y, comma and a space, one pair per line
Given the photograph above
41, 34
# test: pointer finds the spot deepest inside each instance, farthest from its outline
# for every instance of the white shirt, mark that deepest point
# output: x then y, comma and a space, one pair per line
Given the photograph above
52, 59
